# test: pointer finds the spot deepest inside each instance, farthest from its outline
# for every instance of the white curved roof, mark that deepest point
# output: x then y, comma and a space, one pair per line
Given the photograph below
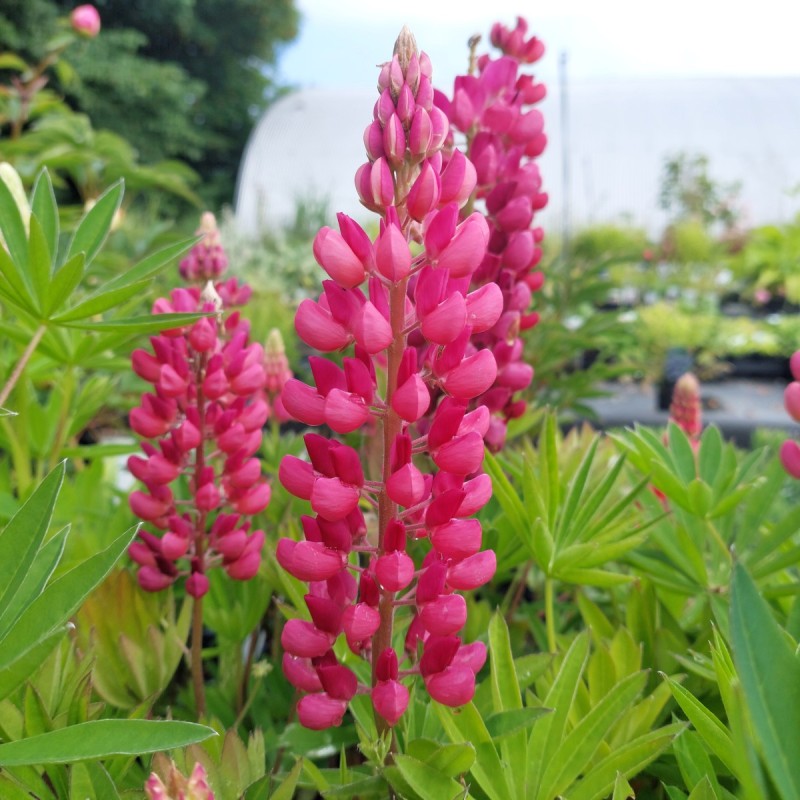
619, 132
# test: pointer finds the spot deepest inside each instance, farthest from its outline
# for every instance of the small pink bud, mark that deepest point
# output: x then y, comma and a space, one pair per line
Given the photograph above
145, 365
424, 193
791, 400
320, 711
457, 539
318, 329
472, 377
147, 424
412, 399
458, 179
254, 500
473, 571
203, 335
300, 673
445, 615
303, 402
332, 499
394, 141
446, 322
390, 700
373, 140
152, 579
309, 561
338, 681
394, 571
467, 248
244, 568
421, 133
371, 329
360, 621
302, 638
794, 365
249, 380
297, 476
392, 256
148, 507
406, 486
345, 412
790, 457
455, 686
381, 183
484, 307
337, 259
85, 21
207, 497
174, 546
197, 584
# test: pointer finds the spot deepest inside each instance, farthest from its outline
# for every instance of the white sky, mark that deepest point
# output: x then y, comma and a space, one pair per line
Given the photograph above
342, 40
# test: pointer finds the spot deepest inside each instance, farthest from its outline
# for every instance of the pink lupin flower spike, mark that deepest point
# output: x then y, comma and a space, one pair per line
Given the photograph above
410, 317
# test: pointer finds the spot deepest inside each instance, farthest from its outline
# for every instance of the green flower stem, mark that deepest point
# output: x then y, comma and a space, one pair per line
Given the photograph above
549, 614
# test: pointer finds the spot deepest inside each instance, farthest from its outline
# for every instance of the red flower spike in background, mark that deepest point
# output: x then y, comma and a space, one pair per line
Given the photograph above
411, 317
790, 450
685, 410
204, 417
504, 136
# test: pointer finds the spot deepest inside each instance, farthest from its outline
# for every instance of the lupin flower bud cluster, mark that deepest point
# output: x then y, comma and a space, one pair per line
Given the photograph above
685, 410
380, 294
504, 136
790, 449
202, 425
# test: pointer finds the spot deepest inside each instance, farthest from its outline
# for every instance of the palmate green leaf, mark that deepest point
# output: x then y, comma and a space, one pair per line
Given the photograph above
22, 537
449, 759
426, 780
465, 724
707, 724
505, 494
13, 228
704, 790
94, 228
628, 760
44, 208
708, 456
14, 674
152, 264
507, 723
547, 736
60, 600
64, 283
100, 301
575, 496
682, 453
770, 677
622, 789
506, 697
575, 753
35, 579
770, 542
39, 262
695, 764
102, 739
138, 325
16, 288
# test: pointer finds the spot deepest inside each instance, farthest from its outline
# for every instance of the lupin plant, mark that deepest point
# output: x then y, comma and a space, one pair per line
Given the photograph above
205, 417
504, 136
790, 449
359, 581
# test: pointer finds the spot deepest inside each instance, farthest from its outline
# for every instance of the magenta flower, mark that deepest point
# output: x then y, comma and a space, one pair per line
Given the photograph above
85, 20
409, 319
202, 481
504, 137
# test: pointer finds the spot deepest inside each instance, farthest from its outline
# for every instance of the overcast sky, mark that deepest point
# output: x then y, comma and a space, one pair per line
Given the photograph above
341, 41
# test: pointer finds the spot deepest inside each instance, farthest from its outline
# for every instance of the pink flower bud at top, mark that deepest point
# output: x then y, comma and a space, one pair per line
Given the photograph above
85, 20
206, 260
178, 787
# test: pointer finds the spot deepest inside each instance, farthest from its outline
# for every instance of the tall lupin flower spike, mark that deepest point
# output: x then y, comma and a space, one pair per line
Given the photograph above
358, 584
202, 479
504, 136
